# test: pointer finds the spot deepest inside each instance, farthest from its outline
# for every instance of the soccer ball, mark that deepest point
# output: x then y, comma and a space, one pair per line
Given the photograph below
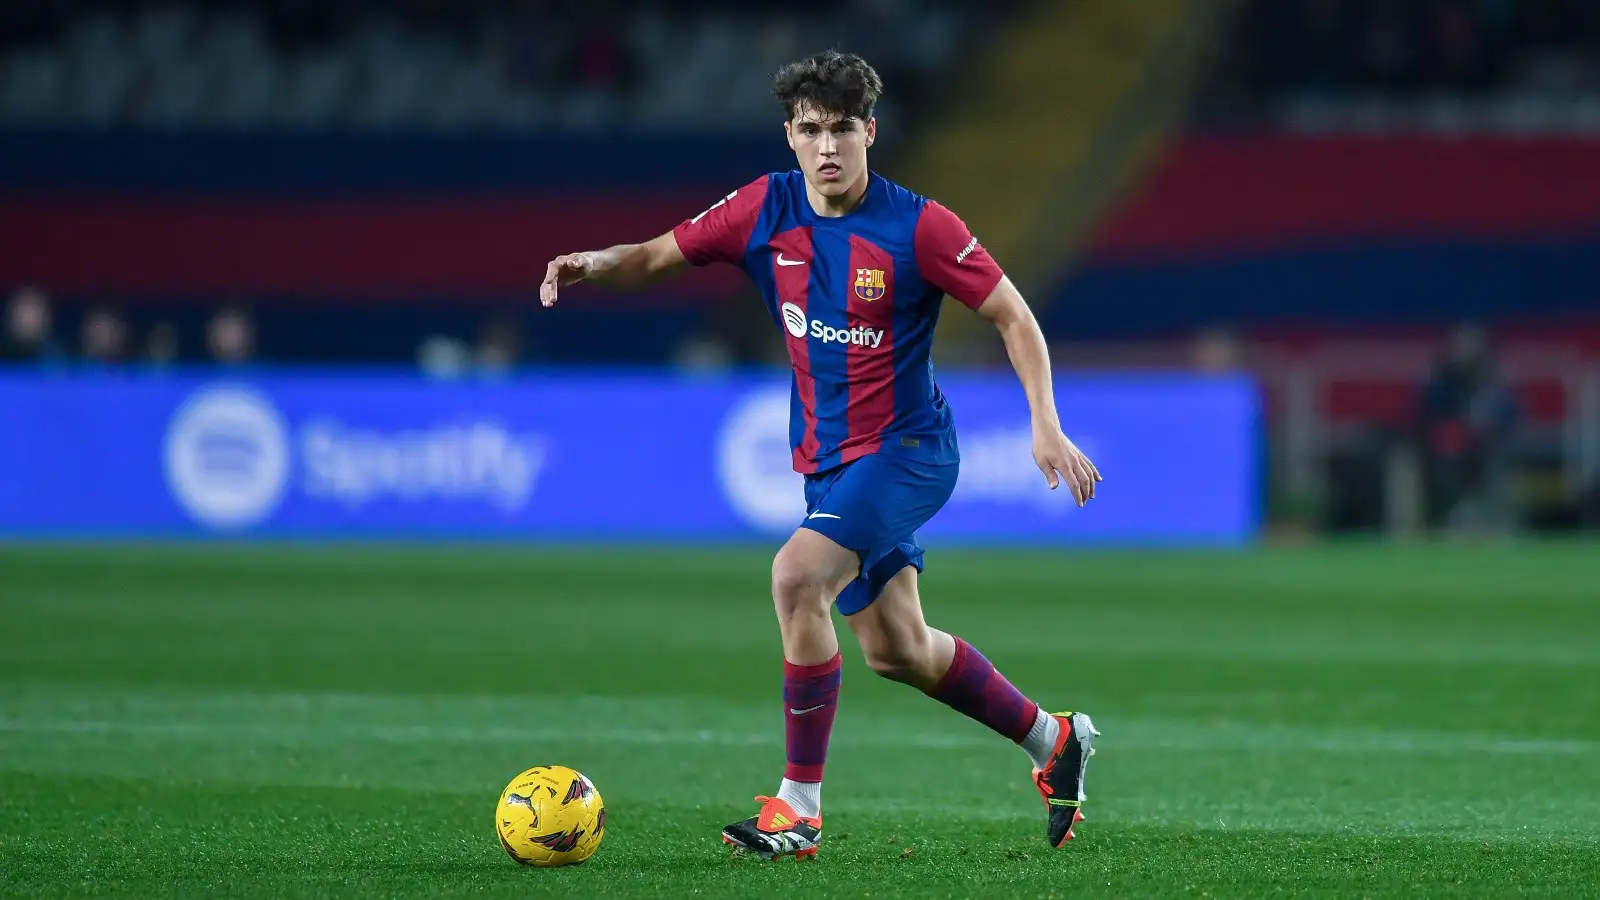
550, 816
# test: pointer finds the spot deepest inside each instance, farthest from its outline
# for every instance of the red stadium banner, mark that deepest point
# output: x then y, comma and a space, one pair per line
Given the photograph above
1242, 196
1209, 198
362, 249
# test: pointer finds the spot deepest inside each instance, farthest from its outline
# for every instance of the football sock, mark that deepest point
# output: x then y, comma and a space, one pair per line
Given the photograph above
810, 699
804, 796
973, 688
1041, 740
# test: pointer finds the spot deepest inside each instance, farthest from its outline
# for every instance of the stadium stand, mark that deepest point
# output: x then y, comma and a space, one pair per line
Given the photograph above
1450, 66
1354, 180
366, 174
449, 66
1330, 184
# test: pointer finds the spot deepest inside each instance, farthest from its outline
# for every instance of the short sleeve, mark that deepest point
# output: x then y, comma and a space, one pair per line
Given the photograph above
951, 259
721, 233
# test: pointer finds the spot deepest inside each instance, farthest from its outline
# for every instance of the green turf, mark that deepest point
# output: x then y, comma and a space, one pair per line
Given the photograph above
277, 722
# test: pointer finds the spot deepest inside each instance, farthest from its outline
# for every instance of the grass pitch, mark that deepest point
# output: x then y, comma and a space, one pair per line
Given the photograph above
280, 722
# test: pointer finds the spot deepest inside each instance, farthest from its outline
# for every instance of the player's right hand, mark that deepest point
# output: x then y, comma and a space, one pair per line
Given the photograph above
562, 271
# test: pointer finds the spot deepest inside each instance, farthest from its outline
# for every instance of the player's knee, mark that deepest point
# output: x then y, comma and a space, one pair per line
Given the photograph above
797, 585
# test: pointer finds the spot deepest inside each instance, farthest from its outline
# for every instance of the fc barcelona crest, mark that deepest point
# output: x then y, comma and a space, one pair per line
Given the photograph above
869, 284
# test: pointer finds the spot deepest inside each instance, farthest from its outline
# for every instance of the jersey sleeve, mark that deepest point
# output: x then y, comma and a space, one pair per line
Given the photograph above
951, 259
721, 233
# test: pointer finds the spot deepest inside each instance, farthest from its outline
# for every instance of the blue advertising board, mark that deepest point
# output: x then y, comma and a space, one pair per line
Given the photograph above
568, 456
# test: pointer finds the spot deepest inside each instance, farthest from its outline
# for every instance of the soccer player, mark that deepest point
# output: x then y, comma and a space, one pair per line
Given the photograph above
854, 269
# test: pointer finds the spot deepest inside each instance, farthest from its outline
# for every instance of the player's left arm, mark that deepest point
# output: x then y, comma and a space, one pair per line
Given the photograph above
951, 259
1053, 452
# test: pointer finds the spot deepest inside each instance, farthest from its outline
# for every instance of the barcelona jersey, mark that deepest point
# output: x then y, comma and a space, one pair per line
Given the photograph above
857, 298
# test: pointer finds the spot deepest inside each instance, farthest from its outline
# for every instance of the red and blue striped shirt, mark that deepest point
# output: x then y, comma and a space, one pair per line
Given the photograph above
857, 297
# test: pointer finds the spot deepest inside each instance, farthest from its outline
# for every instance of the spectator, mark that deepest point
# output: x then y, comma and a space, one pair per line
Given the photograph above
231, 337
1467, 420
1216, 350
104, 337
595, 54
500, 346
1459, 44
531, 42
702, 354
161, 345
444, 357
28, 326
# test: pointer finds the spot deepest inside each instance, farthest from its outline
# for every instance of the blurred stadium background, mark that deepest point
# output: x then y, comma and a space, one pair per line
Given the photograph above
1333, 197
1308, 268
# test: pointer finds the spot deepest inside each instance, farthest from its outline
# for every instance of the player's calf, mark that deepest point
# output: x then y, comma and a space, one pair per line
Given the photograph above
899, 645
896, 641
914, 655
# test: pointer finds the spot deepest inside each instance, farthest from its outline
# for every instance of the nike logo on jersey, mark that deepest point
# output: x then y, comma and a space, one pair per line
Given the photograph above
801, 712
822, 515
790, 262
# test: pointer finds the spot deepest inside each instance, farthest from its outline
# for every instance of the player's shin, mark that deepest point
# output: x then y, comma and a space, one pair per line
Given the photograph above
811, 676
808, 635
973, 687
810, 700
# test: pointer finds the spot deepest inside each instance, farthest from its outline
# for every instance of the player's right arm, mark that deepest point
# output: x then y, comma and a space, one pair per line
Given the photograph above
719, 234
624, 267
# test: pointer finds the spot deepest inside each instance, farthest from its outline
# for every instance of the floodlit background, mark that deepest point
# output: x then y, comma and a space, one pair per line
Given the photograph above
1321, 280
1337, 198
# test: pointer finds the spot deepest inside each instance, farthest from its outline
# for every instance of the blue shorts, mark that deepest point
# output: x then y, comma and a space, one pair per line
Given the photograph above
874, 506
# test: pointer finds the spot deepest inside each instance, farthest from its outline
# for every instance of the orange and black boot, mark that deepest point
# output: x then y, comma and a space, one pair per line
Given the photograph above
775, 831
1060, 782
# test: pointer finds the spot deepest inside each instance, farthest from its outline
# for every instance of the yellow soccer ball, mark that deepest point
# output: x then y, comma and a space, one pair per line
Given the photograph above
550, 816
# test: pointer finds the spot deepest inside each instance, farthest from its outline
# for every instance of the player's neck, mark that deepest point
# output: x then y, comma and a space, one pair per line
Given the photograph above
842, 205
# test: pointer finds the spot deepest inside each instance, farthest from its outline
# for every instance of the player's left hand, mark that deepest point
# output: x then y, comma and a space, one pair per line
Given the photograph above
1060, 460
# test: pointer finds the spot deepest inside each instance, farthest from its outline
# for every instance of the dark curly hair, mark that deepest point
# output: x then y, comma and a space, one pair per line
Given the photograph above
840, 83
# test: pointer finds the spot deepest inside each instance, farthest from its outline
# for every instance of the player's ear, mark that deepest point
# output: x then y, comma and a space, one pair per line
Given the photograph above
872, 130
788, 134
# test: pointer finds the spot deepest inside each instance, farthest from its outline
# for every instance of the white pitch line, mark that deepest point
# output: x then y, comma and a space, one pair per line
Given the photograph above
1135, 736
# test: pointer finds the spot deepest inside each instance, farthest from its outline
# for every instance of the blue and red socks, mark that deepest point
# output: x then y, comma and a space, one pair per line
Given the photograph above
974, 688
810, 700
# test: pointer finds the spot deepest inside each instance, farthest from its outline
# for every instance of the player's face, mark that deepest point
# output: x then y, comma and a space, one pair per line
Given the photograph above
831, 149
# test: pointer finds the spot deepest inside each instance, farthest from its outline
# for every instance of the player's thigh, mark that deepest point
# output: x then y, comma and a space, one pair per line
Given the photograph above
879, 502
892, 627
812, 565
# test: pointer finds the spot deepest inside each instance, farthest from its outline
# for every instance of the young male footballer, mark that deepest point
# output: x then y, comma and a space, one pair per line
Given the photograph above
854, 269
